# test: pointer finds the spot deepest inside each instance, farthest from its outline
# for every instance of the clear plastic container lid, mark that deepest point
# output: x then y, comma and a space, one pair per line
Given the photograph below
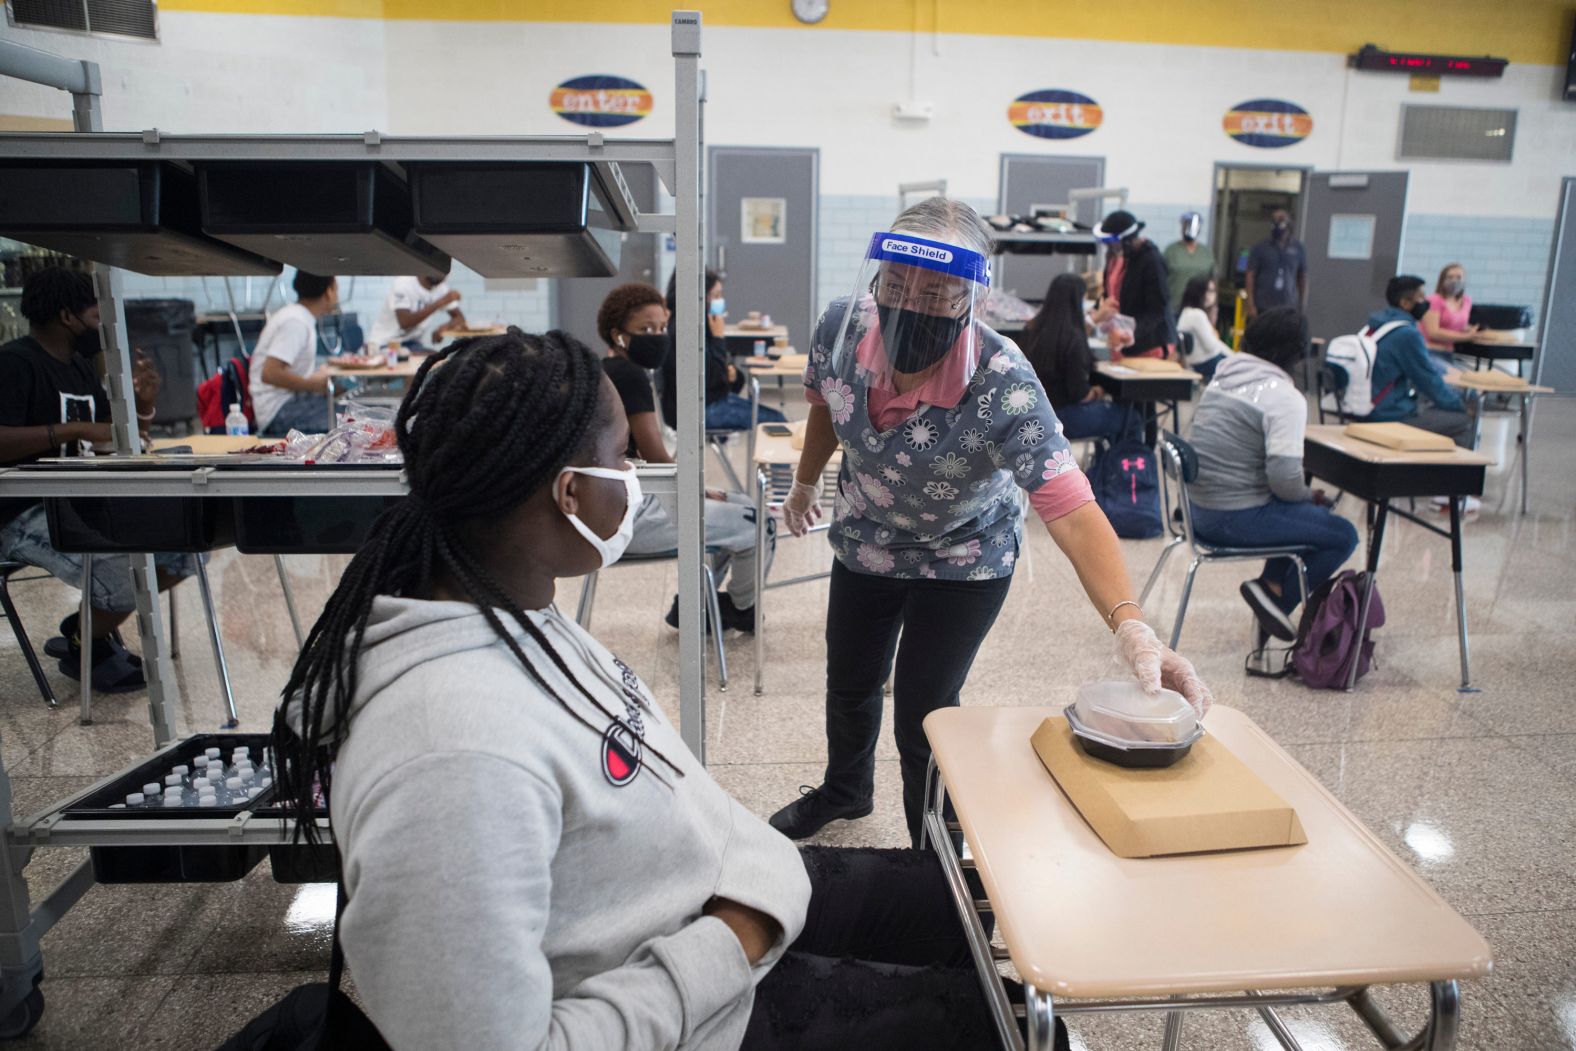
1121, 713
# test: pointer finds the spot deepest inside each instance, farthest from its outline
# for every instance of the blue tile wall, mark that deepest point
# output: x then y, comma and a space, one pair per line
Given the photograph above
1507, 260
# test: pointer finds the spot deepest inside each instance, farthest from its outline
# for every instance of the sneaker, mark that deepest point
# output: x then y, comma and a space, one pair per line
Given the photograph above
672, 617
1473, 505
812, 811
1270, 616
742, 620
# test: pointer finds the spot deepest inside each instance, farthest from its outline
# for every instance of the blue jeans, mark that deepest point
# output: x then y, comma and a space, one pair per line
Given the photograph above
1332, 538
307, 413
1109, 420
733, 414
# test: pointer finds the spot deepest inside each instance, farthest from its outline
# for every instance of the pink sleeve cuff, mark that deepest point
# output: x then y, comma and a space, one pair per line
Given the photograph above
1062, 495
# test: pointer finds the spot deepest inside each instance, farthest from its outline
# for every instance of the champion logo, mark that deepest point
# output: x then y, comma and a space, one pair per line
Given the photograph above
621, 750
919, 251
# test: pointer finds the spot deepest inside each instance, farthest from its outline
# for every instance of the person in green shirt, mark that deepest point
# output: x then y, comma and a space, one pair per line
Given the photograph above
1187, 259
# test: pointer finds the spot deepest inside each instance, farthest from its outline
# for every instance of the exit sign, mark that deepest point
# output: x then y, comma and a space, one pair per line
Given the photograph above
1376, 60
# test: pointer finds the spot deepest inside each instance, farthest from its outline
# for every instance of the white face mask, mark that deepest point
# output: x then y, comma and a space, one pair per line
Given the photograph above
611, 548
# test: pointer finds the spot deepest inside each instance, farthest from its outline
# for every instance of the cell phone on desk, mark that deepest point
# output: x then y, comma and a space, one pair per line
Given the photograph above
777, 430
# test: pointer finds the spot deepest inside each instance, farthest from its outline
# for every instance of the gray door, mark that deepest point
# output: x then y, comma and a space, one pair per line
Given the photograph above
1556, 365
761, 227
1351, 227
577, 299
1027, 180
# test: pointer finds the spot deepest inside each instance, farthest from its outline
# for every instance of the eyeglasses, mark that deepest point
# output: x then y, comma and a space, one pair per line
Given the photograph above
892, 293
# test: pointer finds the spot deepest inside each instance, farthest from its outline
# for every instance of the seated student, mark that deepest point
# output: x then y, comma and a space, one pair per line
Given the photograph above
51, 402
1199, 308
532, 857
1248, 432
726, 410
287, 392
1056, 343
633, 324
408, 309
1406, 385
1449, 317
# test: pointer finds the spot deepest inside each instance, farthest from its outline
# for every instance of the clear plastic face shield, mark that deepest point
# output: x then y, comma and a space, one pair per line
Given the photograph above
912, 311
1192, 223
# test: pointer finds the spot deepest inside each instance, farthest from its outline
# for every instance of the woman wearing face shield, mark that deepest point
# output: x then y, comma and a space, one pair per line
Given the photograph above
939, 420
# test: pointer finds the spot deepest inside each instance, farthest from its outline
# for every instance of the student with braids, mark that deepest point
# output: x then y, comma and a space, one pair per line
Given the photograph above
633, 323
532, 858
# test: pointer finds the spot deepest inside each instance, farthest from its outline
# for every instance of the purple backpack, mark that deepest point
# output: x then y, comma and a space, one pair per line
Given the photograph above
1329, 632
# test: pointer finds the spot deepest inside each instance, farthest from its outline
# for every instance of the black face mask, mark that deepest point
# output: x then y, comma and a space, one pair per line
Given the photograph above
1419, 309
916, 341
87, 343
648, 349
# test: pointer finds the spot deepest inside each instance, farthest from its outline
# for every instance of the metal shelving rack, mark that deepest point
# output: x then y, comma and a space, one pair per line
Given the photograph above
677, 162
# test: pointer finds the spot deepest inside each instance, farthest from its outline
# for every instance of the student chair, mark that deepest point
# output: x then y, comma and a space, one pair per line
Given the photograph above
713, 607
1331, 380
1179, 465
7, 569
773, 483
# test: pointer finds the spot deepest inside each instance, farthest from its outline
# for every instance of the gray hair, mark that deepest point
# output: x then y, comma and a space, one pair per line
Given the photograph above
948, 220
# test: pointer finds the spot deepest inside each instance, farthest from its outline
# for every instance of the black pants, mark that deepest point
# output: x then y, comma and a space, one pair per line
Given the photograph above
942, 624
882, 963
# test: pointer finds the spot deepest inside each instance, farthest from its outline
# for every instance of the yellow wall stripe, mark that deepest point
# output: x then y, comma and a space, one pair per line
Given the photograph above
1524, 31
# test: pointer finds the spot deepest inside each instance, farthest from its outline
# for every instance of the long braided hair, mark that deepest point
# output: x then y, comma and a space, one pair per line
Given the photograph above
479, 437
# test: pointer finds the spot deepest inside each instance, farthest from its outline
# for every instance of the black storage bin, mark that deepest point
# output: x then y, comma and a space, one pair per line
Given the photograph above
163, 329
288, 525
325, 218
1500, 316
506, 219
139, 215
104, 525
170, 864
303, 863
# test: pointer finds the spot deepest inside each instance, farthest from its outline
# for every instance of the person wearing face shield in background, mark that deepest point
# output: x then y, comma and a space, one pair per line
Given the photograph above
1135, 285
52, 404
1186, 259
633, 323
1277, 274
940, 421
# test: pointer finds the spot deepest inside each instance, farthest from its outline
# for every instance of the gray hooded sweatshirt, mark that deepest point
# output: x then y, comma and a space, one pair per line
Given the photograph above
1248, 432
504, 890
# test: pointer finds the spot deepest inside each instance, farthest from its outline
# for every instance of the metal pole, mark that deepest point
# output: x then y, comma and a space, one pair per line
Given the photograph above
688, 337
156, 665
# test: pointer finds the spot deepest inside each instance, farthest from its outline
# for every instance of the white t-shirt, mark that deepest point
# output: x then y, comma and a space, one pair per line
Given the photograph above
1207, 343
407, 293
291, 336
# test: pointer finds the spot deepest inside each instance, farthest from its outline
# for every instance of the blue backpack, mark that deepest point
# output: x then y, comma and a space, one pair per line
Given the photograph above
1127, 488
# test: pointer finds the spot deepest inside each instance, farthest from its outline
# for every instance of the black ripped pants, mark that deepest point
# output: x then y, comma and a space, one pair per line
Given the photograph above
882, 963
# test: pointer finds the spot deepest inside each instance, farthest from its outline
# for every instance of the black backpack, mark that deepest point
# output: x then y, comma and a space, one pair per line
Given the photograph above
313, 1017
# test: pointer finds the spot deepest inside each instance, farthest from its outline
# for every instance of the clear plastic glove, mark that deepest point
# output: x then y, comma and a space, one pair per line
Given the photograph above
1157, 665
802, 508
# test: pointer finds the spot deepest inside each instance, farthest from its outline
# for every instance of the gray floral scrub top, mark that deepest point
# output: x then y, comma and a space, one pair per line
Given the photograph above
935, 497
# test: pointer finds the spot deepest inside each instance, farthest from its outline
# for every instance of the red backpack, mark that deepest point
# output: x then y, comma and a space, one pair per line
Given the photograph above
223, 389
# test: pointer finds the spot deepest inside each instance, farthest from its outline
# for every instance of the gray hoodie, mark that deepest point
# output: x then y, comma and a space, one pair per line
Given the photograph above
1248, 432
504, 891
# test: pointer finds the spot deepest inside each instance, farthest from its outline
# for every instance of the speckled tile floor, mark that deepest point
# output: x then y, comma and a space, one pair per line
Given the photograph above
1477, 791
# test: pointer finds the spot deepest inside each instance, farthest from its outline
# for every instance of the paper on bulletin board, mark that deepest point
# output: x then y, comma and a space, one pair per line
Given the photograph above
763, 220
1351, 237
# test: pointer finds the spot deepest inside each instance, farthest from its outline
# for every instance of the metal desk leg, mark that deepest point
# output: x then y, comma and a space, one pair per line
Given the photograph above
759, 641
1445, 1016
1527, 403
1461, 602
231, 720
1173, 1037
1042, 1020
332, 419
85, 633
284, 586
1375, 542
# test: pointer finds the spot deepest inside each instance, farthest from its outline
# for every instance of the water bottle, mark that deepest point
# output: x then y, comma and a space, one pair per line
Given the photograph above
235, 421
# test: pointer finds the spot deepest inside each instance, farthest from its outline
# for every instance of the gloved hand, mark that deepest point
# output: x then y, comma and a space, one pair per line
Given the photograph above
1157, 665
802, 508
